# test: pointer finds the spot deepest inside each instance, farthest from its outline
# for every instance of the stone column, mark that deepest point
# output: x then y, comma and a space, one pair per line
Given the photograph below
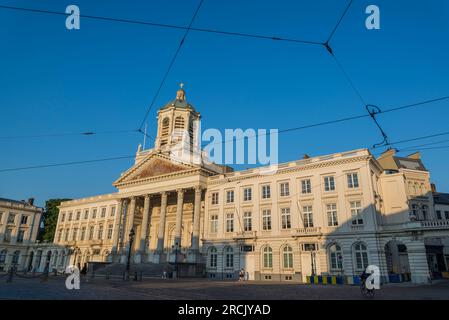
130, 219
417, 258
161, 230
143, 230
179, 208
117, 223
196, 219
129, 223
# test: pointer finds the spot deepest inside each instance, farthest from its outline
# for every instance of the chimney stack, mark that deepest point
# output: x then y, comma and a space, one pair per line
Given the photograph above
433, 187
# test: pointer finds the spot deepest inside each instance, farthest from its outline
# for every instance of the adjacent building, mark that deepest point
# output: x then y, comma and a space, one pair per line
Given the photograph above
19, 226
326, 215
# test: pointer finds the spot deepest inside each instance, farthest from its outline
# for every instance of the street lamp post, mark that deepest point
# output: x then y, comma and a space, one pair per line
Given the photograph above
176, 247
75, 249
131, 240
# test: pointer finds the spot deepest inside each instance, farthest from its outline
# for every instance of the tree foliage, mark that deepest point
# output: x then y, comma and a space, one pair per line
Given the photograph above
50, 219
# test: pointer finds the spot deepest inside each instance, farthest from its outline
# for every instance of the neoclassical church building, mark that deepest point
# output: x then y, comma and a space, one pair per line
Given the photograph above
326, 215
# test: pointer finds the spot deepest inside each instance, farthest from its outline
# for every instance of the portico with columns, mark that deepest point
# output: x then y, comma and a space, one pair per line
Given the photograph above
161, 220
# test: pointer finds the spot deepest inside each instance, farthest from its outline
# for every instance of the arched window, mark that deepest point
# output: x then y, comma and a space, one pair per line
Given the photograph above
267, 257
164, 130
360, 256
15, 257
288, 257
335, 257
179, 122
229, 257
423, 189
213, 257
3, 255
410, 188
55, 259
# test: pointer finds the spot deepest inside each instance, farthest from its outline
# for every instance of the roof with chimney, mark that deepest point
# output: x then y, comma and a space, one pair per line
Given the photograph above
441, 198
389, 161
26, 204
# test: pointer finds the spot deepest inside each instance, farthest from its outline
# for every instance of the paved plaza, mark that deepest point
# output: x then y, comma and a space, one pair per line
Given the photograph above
202, 289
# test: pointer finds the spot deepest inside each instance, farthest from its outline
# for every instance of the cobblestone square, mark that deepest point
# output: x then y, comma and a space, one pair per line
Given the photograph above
202, 289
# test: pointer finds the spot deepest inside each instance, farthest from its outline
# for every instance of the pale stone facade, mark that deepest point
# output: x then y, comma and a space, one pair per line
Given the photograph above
328, 215
19, 249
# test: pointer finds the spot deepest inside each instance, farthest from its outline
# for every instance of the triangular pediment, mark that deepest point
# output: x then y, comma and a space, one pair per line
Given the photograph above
153, 165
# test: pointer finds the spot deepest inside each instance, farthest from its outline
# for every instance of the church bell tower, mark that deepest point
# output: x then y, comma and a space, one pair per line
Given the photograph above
176, 120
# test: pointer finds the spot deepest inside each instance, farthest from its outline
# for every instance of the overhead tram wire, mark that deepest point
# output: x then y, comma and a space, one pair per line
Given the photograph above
418, 138
66, 134
172, 62
170, 26
65, 164
349, 118
331, 35
308, 126
280, 131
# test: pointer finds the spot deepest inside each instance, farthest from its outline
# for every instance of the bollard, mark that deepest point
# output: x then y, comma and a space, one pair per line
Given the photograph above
10, 275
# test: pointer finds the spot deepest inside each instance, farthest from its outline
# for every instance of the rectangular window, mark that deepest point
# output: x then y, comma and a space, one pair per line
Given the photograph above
286, 218
247, 221
1, 216
306, 186
7, 236
103, 212
74, 234
230, 196
214, 198
353, 180
329, 183
78, 215
11, 218
112, 211
285, 189
94, 213
66, 236
20, 236
266, 219
63, 217
100, 232
86, 214
331, 210
110, 228
247, 194
446, 215
266, 192
356, 212
83, 233
91, 232
307, 217
439, 216
24, 220
214, 223
59, 235
229, 222
70, 216
424, 212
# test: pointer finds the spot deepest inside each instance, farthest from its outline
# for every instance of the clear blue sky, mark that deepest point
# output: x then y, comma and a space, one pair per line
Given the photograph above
103, 77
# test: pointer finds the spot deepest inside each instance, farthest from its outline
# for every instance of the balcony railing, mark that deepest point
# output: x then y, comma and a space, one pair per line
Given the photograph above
311, 231
435, 224
245, 235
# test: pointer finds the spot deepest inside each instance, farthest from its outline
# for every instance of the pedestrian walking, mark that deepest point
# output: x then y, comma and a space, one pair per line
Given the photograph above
241, 274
